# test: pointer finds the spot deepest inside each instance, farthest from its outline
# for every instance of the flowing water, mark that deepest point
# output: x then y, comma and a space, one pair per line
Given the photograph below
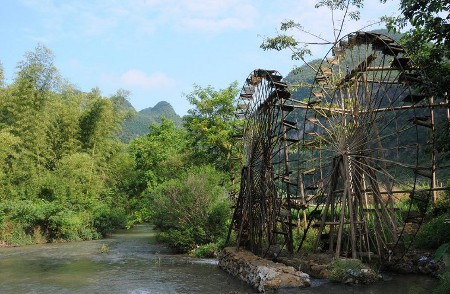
135, 263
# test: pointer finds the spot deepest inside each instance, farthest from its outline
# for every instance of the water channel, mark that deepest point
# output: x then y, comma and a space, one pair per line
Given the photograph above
135, 263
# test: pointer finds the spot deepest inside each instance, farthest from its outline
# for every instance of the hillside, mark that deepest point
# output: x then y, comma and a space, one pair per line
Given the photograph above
299, 78
137, 124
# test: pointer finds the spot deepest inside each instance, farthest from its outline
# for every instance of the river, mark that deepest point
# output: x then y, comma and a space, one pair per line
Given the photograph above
135, 263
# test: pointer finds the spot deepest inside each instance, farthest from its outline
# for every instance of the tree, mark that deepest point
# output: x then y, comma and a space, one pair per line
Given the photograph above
427, 39
60, 158
158, 155
341, 11
38, 70
210, 124
2, 76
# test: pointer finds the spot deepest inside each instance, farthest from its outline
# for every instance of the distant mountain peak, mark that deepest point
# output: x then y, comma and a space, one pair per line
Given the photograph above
138, 124
161, 106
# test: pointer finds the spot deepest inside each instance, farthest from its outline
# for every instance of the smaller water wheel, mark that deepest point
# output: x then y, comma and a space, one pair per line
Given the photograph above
262, 220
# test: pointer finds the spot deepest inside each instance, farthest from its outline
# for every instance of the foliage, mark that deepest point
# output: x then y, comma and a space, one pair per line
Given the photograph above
158, 155
340, 267
192, 209
444, 284
104, 248
2, 75
434, 233
176, 172
107, 219
300, 47
59, 154
427, 39
210, 250
442, 251
210, 125
443, 202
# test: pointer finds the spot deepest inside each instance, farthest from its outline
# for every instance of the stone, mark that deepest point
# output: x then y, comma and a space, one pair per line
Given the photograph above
260, 273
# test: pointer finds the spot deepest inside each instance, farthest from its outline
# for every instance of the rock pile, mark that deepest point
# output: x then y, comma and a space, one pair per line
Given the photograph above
416, 262
260, 273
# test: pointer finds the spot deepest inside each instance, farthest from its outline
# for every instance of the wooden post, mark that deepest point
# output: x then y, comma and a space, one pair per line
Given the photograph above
349, 186
433, 153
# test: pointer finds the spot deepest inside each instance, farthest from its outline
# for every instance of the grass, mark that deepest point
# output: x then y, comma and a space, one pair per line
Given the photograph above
340, 267
104, 248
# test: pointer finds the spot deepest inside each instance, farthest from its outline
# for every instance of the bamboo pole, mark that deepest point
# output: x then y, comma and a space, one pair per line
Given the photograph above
433, 153
341, 224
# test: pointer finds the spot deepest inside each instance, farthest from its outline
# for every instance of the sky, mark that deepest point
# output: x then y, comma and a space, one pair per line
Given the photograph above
158, 49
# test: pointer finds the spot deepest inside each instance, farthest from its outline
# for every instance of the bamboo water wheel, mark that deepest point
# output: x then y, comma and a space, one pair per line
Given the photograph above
365, 136
352, 166
261, 221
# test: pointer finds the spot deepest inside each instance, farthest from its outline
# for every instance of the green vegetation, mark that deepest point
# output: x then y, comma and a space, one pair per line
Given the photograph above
352, 271
77, 166
66, 175
60, 158
104, 248
180, 173
192, 210
339, 268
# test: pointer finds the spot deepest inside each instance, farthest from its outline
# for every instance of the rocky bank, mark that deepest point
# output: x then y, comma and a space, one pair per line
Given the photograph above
260, 273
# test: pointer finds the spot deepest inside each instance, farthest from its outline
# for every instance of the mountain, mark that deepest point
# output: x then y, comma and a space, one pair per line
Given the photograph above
138, 122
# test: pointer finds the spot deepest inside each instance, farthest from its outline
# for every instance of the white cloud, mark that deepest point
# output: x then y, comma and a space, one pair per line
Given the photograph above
98, 17
216, 16
139, 78
213, 25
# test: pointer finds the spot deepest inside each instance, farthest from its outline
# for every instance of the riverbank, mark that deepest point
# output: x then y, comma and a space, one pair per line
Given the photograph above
260, 273
316, 272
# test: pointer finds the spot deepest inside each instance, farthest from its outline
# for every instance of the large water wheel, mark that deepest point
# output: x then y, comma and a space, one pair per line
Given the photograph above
366, 153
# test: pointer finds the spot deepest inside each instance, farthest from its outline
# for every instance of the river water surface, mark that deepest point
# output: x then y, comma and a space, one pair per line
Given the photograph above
135, 263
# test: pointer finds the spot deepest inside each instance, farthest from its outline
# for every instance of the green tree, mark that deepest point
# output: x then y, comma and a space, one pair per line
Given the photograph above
159, 155
60, 156
427, 39
341, 11
211, 124
2, 76
38, 70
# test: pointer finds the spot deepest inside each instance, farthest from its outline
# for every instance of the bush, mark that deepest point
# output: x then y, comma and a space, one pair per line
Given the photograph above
444, 284
209, 250
107, 220
443, 202
13, 234
340, 268
192, 210
434, 233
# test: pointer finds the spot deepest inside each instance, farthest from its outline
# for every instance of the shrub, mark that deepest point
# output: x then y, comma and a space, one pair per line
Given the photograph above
443, 202
209, 250
340, 268
192, 210
65, 225
106, 220
444, 284
434, 233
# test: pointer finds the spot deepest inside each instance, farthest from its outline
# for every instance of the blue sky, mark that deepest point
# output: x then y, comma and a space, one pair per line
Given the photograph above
158, 49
